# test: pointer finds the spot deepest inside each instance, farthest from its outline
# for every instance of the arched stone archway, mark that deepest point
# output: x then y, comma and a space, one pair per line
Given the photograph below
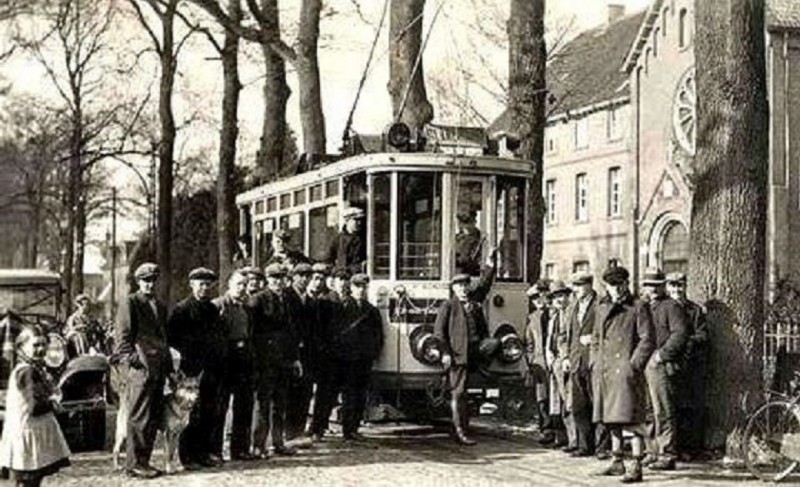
669, 244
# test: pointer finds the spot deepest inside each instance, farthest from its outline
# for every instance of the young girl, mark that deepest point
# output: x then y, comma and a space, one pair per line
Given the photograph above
32, 445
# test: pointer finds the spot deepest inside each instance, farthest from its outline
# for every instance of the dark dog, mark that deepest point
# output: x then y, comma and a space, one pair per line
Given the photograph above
178, 404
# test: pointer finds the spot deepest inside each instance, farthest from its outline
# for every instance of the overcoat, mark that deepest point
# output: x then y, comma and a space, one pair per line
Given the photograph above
622, 341
195, 331
275, 340
141, 329
578, 398
535, 333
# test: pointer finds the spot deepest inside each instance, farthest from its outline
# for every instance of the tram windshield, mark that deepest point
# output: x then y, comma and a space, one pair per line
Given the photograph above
510, 204
420, 226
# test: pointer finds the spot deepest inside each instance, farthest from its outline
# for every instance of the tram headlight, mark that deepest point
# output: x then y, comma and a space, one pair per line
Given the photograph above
425, 346
511, 348
56, 352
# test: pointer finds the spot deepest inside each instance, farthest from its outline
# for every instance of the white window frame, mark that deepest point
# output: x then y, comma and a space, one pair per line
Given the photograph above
582, 197
613, 125
615, 192
550, 201
580, 133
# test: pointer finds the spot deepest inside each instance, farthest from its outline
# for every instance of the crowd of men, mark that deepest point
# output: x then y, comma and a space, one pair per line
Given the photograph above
605, 368
276, 338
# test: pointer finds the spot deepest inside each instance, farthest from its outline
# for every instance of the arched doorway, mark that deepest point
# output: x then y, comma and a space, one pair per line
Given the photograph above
669, 244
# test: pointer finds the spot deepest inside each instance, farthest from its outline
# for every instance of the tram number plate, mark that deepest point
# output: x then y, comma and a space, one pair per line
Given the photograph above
492, 393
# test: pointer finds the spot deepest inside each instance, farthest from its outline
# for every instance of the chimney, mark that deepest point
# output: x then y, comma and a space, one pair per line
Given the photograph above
615, 12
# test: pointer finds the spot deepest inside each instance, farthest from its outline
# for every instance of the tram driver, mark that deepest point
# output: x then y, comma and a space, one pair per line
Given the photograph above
468, 244
281, 252
349, 249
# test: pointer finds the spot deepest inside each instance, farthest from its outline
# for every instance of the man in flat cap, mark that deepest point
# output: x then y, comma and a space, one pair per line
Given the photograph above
322, 311
556, 353
461, 325
349, 249
692, 381
622, 342
281, 251
535, 334
664, 369
141, 345
468, 244
234, 317
256, 280
276, 361
340, 284
194, 330
356, 342
581, 317
300, 389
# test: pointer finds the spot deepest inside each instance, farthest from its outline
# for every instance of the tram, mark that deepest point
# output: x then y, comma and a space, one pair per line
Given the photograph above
411, 201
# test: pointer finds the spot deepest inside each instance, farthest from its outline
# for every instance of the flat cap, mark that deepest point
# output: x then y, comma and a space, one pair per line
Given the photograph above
301, 268
360, 279
202, 274
282, 234
274, 270
580, 278
539, 287
353, 212
559, 287
677, 277
145, 271
342, 273
460, 278
320, 268
252, 271
653, 277
616, 275
82, 297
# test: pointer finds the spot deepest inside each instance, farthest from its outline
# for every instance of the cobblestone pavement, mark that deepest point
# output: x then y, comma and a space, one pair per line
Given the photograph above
401, 455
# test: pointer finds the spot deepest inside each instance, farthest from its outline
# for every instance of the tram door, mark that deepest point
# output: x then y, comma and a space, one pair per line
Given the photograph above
471, 225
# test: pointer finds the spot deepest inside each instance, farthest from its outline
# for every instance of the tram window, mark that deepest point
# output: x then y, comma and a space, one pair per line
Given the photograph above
300, 197
420, 221
332, 188
470, 232
264, 230
286, 201
381, 225
316, 192
272, 204
355, 190
510, 228
323, 228
259, 207
295, 224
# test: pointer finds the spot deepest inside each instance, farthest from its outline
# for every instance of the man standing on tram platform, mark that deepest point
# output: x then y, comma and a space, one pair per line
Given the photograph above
282, 254
468, 244
349, 249
461, 325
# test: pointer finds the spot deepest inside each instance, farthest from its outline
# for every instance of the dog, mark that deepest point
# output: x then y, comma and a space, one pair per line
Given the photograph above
178, 402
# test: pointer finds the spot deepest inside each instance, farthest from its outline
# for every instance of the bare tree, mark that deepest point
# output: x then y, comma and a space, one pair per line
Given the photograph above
406, 73
729, 204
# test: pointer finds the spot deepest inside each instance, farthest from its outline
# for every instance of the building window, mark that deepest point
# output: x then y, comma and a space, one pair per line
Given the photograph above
581, 133
614, 192
581, 198
675, 248
550, 271
550, 200
580, 266
613, 124
683, 34
550, 143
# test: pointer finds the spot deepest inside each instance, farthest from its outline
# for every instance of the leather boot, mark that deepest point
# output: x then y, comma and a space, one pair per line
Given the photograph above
613, 469
459, 414
633, 472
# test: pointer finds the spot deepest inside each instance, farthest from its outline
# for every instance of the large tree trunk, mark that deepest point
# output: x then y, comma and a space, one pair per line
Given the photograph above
73, 191
80, 239
405, 38
276, 93
729, 205
166, 149
226, 207
526, 105
307, 66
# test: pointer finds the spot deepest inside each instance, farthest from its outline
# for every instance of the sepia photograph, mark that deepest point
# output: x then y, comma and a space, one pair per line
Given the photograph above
399, 242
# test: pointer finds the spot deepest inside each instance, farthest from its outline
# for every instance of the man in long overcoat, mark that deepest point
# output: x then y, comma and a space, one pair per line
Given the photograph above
622, 341
581, 317
141, 345
302, 313
461, 325
534, 337
556, 352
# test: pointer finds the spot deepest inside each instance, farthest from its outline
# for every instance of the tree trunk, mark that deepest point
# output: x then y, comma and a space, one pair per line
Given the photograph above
526, 103
276, 94
405, 40
166, 149
729, 204
307, 66
73, 194
80, 239
226, 207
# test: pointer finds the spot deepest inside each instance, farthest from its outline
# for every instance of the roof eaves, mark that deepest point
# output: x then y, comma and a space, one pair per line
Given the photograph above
641, 38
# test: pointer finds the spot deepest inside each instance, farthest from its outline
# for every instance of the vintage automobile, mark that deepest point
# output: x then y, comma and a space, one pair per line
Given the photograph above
33, 297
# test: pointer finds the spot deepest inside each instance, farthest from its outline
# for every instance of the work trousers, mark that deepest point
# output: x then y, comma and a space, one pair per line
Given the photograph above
661, 388
237, 391
351, 379
272, 389
300, 393
145, 391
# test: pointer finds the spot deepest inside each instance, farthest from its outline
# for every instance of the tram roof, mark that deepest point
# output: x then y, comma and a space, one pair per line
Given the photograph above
396, 161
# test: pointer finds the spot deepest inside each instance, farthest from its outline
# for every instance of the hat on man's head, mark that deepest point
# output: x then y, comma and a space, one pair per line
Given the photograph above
615, 275
274, 270
148, 270
676, 278
342, 273
282, 234
359, 279
653, 277
82, 297
559, 287
460, 279
542, 286
301, 269
353, 212
252, 271
581, 278
202, 274
320, 268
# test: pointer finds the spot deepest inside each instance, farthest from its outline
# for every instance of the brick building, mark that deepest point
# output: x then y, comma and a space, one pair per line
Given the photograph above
619, 142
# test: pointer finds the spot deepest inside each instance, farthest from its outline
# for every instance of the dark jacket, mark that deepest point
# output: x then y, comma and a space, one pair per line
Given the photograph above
468, 258
670, 329
194, 330
348, 251
535, 334
301, 319
622, 342
225, 305
275, 342
696, 329
357, 331
140, 331
451, 319
580, 355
